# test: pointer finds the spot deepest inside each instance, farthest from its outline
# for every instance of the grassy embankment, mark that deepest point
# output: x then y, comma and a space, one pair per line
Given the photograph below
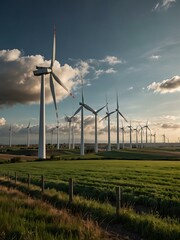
152, 186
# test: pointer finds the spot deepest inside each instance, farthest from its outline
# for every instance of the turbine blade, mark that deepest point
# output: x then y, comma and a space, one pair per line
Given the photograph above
100, 109
77, 111
53, 94
112, 112
54, 49
87, 107
122, 116
117, 100
60, 83
103, 118
29, 124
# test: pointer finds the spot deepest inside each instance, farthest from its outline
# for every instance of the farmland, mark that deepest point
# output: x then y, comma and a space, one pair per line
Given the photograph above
150, 189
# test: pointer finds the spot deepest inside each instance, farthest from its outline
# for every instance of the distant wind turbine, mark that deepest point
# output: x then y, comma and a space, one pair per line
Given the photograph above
108, 114
28, 133
95, 112
69, 120
147, 128
142, 131
123, 132
118, 113
137, 131
130, 134
10, 136
42, 71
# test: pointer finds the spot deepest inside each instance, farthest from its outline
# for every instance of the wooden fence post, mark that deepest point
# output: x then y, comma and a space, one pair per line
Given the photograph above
70, 190
118, 200
42, 183
15, 177
28, 181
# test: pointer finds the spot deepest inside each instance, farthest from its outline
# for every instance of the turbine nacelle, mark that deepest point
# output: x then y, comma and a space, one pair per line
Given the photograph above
42, 70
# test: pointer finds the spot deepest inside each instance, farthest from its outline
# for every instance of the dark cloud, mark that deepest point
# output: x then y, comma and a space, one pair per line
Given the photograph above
166, 86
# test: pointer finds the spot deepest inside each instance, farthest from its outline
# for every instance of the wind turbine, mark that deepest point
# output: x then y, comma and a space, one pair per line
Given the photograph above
123, 131
82, 128
118, 113
10, 136
69, 120
108, 114
147, 128
95, 112
52, 132
57, 126
130, 134
141, 135
42, 71
28, 132
164, 138
137, 131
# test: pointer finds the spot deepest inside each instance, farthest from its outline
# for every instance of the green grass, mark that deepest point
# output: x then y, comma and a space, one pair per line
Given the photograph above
154, 184
23, 218
149, 186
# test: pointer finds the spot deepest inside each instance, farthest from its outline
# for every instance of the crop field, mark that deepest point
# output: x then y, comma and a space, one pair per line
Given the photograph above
150, 189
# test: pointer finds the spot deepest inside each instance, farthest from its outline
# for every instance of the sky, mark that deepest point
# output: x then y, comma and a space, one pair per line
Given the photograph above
129, 47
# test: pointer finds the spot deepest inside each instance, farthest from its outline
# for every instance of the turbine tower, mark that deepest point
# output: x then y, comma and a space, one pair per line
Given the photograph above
57, 126
137, 131
142, 131
147, 128
77, 111
108, 114
95, 112
28, 132
123, 132
10, 136
42, 71
130, 134
69, 120
118, 113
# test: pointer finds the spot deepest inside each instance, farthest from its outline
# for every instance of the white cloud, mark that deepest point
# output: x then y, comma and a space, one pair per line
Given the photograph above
130, 88
163, 5
19, 85
111, 60
2, 121
166, 86
101, 71
154, 57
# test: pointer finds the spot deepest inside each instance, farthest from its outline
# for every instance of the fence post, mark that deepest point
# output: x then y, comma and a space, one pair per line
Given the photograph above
70, 190
15, 177
42, 183
8, 176
118, 200
28, 181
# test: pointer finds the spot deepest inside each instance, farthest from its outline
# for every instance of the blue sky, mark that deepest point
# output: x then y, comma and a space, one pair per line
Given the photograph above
129, 46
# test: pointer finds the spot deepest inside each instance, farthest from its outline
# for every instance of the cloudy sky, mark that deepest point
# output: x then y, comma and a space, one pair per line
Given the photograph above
127, 46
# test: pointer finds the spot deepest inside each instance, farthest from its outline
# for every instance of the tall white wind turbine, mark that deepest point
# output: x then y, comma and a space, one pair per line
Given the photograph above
108, 114
42, 71
118, 113
95, 112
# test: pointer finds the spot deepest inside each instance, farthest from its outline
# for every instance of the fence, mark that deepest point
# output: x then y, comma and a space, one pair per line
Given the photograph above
118, 191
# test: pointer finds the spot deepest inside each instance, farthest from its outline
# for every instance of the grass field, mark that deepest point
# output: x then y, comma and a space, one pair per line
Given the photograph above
150, 187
